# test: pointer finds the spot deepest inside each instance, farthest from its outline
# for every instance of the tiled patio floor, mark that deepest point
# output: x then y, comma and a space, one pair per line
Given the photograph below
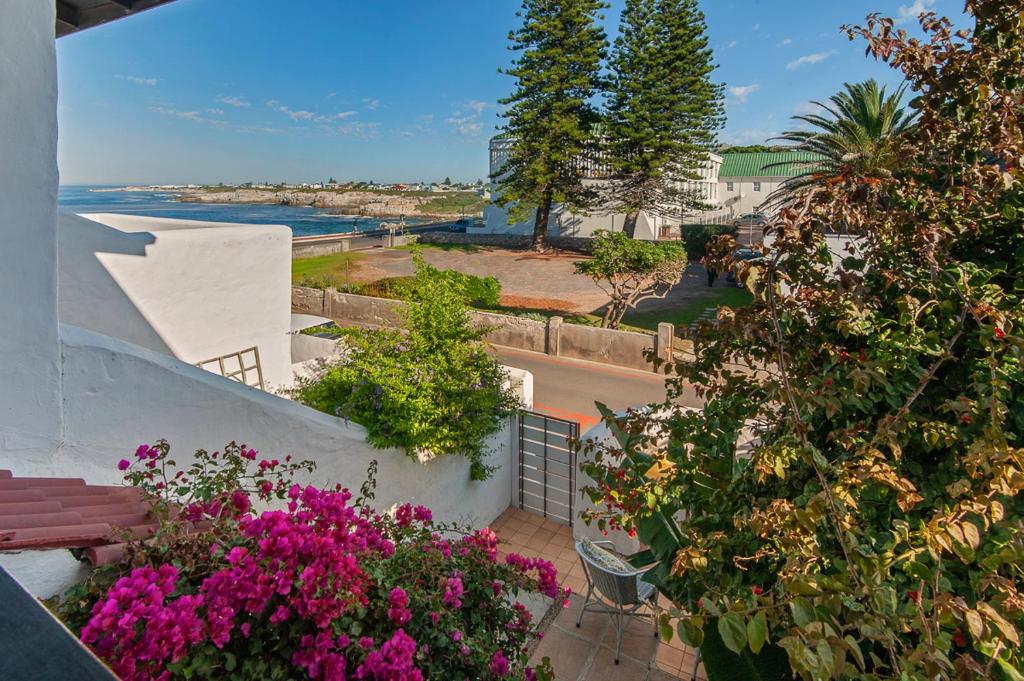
587, 653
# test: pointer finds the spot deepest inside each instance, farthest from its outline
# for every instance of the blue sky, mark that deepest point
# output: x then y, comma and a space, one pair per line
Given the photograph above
387, 90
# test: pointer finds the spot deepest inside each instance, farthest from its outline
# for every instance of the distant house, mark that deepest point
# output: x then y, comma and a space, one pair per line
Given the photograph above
747, 179
650, 226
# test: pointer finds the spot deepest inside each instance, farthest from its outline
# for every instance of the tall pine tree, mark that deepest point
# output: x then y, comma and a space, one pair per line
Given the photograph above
551, 115
663, 109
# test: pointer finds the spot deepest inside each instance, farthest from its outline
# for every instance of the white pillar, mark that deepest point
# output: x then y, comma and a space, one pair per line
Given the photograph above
30, 373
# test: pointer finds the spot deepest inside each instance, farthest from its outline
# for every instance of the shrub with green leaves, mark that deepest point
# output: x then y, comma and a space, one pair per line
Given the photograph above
481, 292
431, 388
873, 526
630, 271
696, 238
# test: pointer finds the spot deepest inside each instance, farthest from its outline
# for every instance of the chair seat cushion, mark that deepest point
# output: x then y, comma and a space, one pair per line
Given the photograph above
644, 590
603, 557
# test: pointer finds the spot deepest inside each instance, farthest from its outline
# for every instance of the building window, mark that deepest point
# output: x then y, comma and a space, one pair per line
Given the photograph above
728, 186
757, 186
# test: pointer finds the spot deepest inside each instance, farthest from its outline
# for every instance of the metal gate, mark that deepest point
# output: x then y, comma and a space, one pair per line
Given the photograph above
547, 465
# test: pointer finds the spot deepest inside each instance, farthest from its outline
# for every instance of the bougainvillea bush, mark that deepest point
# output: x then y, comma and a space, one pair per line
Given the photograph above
432, 388
324, 588
874, 528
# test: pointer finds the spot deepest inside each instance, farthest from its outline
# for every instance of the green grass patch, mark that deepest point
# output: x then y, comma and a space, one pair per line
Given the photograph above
449, 204
684, 315
325, 270
646, 321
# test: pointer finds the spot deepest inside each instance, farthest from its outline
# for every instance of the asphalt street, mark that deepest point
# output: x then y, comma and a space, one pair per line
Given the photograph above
568, 388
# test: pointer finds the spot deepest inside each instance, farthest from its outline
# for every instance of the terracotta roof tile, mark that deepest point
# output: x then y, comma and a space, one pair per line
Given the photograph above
49, 513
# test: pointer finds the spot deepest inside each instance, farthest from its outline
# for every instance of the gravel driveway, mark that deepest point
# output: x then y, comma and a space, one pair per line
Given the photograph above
542, 281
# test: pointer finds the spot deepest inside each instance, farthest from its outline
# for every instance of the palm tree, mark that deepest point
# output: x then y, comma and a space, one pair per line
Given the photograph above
859, 136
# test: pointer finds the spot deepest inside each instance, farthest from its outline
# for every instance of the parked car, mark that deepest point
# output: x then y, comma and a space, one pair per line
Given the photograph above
460, 225
738, 255
751, 220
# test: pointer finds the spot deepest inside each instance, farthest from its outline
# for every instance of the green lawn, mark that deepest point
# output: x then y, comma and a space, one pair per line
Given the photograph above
728, 296
333, 270
648, 321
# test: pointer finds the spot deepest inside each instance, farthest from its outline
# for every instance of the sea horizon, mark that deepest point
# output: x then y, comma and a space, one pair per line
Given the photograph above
303, 220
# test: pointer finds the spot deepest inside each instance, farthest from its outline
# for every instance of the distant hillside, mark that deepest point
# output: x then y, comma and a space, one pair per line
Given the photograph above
375, 202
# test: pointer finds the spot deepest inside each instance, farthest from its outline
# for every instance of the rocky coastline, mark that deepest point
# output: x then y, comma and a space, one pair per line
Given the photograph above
371, 204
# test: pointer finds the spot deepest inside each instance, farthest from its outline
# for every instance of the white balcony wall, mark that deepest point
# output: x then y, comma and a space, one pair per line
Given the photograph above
121, 395
192, 290
30, 377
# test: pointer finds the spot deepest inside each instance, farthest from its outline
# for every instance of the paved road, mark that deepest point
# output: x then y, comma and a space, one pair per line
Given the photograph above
568, 388
376, 239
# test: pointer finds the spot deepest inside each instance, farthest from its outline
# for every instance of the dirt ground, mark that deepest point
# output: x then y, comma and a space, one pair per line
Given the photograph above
539, 281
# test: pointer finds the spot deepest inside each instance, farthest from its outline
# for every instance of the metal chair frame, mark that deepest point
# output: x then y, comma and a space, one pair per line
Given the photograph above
619, 593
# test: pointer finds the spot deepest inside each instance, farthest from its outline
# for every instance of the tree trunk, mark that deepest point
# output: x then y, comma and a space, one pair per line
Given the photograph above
629, 226
540, 226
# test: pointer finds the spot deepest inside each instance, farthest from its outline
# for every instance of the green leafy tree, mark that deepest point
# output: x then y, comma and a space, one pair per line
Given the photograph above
630, 271
433, 390
871, 525
859, 132
663, 109
550, 116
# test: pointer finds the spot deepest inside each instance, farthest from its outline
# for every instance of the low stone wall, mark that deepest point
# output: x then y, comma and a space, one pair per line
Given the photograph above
514, 241
554, 337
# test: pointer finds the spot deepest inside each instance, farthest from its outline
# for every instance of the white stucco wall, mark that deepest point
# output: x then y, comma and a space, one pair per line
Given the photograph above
742, 198
30, 389
563, 222
44, 573
120, 395
193, 290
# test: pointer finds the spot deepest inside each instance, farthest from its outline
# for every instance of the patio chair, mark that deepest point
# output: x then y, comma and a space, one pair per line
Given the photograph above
618, 584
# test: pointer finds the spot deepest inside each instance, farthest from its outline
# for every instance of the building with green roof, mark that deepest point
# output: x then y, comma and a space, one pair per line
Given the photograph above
747, 179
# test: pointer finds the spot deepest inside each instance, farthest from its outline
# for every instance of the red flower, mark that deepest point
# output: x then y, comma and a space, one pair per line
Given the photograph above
959, 639
1000, 334
123, 464
827, 382
914, 596
756, 590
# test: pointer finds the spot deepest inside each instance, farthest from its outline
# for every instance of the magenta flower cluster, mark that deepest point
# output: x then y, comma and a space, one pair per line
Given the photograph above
358, 595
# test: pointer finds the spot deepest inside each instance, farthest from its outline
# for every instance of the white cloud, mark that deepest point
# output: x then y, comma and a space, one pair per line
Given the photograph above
359, 129
295, 115
756, 27
804, 108
465, 121
467, 126
809, 59
784, 42
371, 103
748, 136
732, 44
231, 100
330, 95
149, 82
741, 92
913, 11
194, 116
215, 112
427, 118
304, 115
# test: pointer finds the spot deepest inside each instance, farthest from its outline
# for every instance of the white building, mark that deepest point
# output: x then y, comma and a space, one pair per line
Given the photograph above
747, 179
86, 376
564, 222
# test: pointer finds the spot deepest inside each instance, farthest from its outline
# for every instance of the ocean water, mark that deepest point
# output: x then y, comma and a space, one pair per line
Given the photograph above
304, 221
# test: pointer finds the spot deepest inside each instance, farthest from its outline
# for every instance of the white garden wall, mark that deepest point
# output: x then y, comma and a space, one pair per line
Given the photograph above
192, 290
120, 395
30, 388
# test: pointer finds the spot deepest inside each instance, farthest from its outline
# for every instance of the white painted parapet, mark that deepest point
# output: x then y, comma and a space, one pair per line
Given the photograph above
193, 290
121, 395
